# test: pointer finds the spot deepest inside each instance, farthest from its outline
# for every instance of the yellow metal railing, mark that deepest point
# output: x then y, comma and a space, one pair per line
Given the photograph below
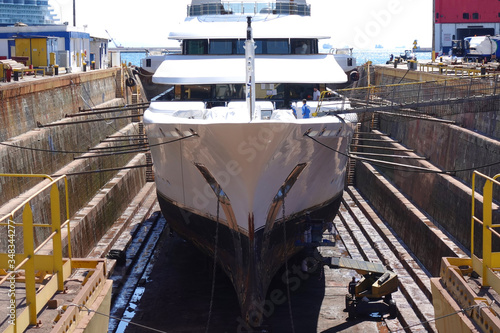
457, 70
490, 263
12, 262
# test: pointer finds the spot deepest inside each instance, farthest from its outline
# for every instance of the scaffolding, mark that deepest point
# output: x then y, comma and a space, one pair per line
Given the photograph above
426, 99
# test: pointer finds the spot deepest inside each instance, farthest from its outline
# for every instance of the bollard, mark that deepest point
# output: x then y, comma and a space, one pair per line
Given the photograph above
16, 76
92, 65
84, 66
56, 69
395, 64
483, 72
8, 74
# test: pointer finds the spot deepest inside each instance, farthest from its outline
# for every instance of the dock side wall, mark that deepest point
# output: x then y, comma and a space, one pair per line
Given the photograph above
64, 149
423, 238
35, 156
25, 103
446, 199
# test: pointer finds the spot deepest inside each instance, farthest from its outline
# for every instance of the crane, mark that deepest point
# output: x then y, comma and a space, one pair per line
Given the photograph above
113, 40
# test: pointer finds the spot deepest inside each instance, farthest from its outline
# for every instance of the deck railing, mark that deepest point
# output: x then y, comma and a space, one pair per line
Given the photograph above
436, 98
249, 8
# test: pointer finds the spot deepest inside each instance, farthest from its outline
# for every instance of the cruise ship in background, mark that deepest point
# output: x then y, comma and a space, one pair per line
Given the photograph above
29, 12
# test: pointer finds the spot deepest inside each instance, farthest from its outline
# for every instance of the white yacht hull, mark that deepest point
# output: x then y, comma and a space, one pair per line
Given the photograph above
233, 175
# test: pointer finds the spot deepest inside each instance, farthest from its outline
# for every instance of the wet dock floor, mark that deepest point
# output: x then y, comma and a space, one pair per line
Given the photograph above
177, 297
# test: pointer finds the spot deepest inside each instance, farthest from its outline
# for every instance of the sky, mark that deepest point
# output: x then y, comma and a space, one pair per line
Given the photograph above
360, 24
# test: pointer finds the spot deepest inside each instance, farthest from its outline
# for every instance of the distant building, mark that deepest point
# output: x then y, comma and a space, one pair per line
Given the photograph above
44, 46
30, 12
457, 19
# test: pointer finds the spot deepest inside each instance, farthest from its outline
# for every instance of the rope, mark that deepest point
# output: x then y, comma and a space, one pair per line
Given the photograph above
104, 170
86, 152
480, 306
286, 264
80, 307
409, 168
215, 261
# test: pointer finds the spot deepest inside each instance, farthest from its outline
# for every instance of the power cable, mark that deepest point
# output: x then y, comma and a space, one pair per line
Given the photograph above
286, 264
80, 307
44, 150
215, 261
480, 306
86, 152
103, 170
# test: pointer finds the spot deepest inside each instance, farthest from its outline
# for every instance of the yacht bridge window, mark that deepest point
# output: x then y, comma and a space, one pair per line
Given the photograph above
282, 95
195, 46
237, 46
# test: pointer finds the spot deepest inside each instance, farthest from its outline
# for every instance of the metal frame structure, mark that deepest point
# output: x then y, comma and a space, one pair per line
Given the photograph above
458, 306
29, 262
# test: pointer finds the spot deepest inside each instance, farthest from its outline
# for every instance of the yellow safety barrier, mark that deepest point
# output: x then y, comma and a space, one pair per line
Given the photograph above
29, 70
459, 305
491, 260
12, 261
456, 69
49, 271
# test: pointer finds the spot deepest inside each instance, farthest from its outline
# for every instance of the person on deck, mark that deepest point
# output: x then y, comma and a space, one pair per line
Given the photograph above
306, 111
352, 286
316, 94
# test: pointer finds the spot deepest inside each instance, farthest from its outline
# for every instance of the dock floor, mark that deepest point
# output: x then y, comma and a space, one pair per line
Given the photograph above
317, 304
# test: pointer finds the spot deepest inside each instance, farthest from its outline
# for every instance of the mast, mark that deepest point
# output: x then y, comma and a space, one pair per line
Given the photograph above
434, 30
250, 72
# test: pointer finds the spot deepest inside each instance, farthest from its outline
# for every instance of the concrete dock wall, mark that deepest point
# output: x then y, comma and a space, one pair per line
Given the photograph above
69, 140
421, 236
94, 219
82, 188
22, 104
64, 149
445, 200
447, 146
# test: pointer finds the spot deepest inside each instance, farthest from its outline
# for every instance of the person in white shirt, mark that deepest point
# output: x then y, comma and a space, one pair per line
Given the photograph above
316, 94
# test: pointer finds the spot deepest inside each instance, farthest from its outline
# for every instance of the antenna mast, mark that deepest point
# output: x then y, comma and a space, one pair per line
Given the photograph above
250, 72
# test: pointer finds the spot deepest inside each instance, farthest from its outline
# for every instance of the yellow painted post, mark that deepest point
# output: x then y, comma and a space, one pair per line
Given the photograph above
29, 267
55, 212
472, 215
67, 216
487, 214
52, 57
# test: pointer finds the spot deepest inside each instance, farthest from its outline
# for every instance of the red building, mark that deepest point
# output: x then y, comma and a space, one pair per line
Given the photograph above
457, 19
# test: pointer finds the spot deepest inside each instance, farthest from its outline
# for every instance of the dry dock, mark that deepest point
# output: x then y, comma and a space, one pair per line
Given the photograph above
389, 215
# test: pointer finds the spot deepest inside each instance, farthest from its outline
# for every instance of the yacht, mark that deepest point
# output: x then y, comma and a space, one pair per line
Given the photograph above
237, 173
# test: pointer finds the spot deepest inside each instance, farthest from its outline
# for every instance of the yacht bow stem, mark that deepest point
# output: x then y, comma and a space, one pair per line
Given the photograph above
250, 71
